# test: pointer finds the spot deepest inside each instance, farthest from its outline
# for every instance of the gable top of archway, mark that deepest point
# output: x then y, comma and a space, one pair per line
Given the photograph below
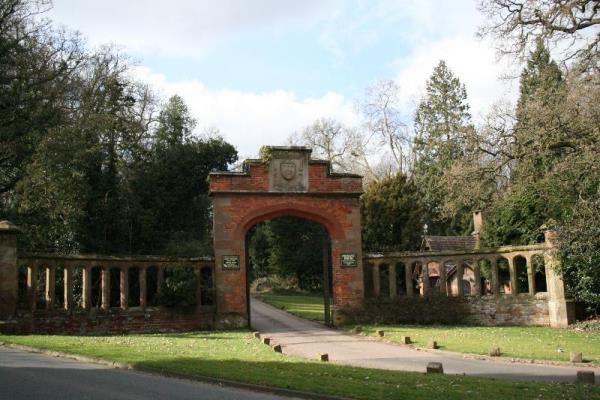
285, 170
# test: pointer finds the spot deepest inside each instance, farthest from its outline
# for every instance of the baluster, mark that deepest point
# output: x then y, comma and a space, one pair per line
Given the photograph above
512, 269
495, 277
425, 277
531, 275
443, 278
32, 271
392, 280
50, 286
105, 288
68, 287
376, 279
477, 277
460, 272
86, 288
124, 288
408, 271
143, 295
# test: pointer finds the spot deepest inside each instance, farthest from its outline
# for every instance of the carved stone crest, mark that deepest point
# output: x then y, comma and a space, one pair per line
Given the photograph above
288, 170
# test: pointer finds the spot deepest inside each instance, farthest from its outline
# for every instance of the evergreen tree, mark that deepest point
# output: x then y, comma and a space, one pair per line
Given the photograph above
392, 215
541, 135
441, 122
170, 188
542, 138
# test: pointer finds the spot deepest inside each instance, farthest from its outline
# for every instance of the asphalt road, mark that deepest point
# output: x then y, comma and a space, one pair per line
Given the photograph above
307, 339
32, 376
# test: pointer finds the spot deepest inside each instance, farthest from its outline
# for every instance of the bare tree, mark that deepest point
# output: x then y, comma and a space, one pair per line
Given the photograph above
383, 120
571, 27
347, 149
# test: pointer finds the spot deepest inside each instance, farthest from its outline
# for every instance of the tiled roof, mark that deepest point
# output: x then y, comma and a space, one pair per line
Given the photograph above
448, 243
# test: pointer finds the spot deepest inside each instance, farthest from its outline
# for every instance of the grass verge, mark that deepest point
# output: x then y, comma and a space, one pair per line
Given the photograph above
235, 355
528, 342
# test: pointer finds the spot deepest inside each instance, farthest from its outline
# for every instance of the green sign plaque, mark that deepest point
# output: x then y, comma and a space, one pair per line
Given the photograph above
348, 260
231, 262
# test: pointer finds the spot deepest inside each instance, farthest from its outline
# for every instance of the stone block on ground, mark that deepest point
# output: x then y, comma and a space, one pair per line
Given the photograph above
380, 333
586, 377
266, 341
357, 329
256, 335
277, 348
435, 368
406, 340
576, 357
324, 357
432, 344
495, 352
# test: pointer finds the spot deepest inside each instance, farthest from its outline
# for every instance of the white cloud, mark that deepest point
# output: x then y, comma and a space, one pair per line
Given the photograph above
249, 120
473, 61
183, 27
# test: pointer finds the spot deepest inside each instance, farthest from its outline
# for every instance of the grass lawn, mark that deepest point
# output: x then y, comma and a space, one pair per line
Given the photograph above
307, 306
235, 355
540, 343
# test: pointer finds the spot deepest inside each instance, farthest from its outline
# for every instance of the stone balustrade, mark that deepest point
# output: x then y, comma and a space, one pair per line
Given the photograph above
55, 267
407, 262
92, 294
503, 271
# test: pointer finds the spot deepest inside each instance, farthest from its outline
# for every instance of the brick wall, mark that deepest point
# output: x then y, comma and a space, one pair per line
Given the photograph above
115, 321
256, 179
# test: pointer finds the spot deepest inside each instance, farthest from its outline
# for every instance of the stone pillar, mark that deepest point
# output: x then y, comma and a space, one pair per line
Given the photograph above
443, 278
50, 286
392, 276
562, 310
425, 277
68, 287
495, 277
477, 277
460, 272
408, 271
512, 269
124, 288
86, 289
105, 288
143, 295
530, 275
9, 276
376, 279
32, 287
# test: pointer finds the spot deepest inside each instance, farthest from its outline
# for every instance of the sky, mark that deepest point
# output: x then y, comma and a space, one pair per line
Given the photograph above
261, 70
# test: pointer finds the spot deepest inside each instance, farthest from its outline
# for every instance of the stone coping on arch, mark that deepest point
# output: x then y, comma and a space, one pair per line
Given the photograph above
257, 161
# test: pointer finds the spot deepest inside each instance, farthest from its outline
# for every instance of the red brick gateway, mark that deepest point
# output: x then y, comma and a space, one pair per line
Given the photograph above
285, 181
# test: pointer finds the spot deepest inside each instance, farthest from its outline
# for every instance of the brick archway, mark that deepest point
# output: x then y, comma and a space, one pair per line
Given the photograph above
285, 182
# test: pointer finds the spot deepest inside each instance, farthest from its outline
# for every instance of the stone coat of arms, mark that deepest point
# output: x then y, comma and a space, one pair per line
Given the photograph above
288, 170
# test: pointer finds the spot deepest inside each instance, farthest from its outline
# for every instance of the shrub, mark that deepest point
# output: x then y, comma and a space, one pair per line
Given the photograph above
179, 287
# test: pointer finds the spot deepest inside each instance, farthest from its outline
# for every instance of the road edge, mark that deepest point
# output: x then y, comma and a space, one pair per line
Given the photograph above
180, 375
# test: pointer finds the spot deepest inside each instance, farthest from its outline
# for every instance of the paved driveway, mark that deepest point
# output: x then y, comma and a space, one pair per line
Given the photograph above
307, 339
31, 376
